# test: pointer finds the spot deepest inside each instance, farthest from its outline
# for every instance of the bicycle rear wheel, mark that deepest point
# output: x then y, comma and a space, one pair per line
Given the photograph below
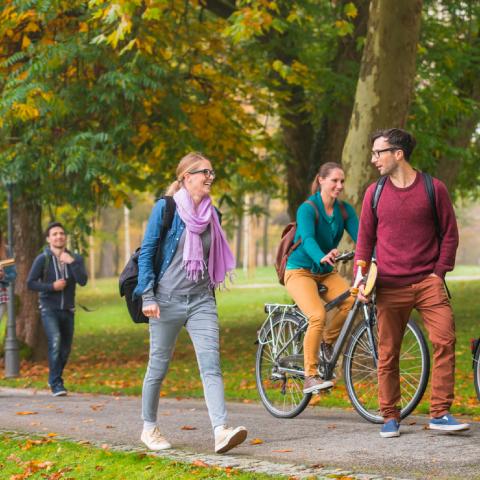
360, 373
281, 392
476, 371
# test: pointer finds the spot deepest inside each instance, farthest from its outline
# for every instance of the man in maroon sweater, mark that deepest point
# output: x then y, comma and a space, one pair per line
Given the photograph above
412, 262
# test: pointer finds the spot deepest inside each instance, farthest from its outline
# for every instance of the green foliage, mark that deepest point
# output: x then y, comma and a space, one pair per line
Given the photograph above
445, 112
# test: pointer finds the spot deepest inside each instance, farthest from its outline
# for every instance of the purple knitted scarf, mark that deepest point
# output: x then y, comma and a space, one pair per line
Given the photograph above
220, 260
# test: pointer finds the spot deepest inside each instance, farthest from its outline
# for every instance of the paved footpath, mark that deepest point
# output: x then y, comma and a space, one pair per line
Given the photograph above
320, 443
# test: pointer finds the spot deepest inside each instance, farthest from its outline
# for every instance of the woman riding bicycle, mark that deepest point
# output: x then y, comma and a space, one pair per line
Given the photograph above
321, 221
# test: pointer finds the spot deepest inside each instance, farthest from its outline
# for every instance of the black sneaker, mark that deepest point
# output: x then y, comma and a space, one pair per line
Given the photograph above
58, 390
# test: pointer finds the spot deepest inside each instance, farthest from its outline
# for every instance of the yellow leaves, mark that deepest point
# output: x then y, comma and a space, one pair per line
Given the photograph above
31, 27
350, 10
256, 441
26, 413
25, 41
344, 28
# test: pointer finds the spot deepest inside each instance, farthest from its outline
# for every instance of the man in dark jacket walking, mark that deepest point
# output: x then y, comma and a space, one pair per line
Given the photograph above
55, 274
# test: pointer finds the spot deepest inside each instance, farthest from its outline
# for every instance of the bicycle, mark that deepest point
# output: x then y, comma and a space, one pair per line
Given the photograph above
475, 347
279, 367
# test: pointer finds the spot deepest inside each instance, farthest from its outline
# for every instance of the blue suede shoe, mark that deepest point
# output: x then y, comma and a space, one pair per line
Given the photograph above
390, 429
448, 424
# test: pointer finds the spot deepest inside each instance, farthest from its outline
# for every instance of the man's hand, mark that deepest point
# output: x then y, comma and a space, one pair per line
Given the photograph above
151, 311
66, 258
330, 257
434, 275
361, 296
59, 285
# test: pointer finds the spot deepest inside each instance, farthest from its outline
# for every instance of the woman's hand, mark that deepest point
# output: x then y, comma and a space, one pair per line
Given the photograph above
330, 257
151, 311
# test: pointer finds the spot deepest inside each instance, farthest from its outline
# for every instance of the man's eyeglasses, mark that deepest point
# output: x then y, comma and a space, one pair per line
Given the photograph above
376, 153
206, 171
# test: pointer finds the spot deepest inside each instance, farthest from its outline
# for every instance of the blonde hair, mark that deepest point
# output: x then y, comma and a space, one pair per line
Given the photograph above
187, 163
324, 171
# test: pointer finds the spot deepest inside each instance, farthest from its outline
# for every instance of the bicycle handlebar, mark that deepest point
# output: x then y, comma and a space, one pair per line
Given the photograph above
345, 256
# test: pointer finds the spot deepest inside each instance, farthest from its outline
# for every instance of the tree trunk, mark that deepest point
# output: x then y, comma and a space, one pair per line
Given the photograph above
330, 138
28, 241
384, 87
110, 219
308, 149
297, 135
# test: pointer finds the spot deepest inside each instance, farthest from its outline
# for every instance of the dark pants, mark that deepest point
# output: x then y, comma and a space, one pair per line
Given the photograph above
58, 325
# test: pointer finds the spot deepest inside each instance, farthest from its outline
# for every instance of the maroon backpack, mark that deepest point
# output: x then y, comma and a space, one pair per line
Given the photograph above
287, 244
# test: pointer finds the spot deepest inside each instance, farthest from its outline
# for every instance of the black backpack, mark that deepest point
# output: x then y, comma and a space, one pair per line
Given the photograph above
128, 279
428, 184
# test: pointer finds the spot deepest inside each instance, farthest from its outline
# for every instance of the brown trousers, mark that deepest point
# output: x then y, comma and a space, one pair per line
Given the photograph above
394, 306
302, 286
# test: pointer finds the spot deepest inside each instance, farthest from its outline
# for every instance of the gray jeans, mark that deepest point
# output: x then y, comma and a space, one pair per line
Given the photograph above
198, 313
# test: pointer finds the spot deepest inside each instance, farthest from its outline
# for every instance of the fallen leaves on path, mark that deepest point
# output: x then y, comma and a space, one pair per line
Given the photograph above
188, 427
200, 463
282, 450
26, 413
256, 441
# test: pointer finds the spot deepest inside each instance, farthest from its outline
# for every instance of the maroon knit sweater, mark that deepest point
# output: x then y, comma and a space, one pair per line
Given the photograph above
408, 249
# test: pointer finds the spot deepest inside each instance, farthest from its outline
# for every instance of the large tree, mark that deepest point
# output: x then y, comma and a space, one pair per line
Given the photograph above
83, 124
385, 85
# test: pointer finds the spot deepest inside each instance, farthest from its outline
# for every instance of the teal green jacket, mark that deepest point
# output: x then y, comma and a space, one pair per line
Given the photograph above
318, 238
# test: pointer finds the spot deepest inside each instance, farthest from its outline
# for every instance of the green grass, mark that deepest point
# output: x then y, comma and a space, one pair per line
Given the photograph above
467, 270
110, 352
45, 457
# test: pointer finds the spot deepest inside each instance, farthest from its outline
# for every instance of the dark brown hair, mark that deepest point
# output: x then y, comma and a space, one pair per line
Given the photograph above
397, 137
53, 225
324, 171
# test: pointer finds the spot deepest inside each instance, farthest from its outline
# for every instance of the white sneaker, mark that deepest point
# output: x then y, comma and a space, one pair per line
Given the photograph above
154, 440
226, 438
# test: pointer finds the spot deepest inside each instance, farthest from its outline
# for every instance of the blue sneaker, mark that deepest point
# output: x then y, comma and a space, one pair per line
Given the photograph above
58, 390
448, 424
390, 429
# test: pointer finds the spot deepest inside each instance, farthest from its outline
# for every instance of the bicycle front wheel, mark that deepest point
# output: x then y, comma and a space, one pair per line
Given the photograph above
280, 377
476, 371
360, 373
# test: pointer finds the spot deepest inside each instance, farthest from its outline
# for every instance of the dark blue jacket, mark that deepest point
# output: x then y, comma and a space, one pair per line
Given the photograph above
41, 280
10, 274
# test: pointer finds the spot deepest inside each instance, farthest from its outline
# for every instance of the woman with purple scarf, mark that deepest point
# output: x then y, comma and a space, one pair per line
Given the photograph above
195, 259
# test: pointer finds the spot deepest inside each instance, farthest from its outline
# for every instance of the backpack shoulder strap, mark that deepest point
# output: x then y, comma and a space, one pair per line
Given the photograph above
428, 183
46, 264
168, 214
167, 220
343, 209
317, 215
376, 195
